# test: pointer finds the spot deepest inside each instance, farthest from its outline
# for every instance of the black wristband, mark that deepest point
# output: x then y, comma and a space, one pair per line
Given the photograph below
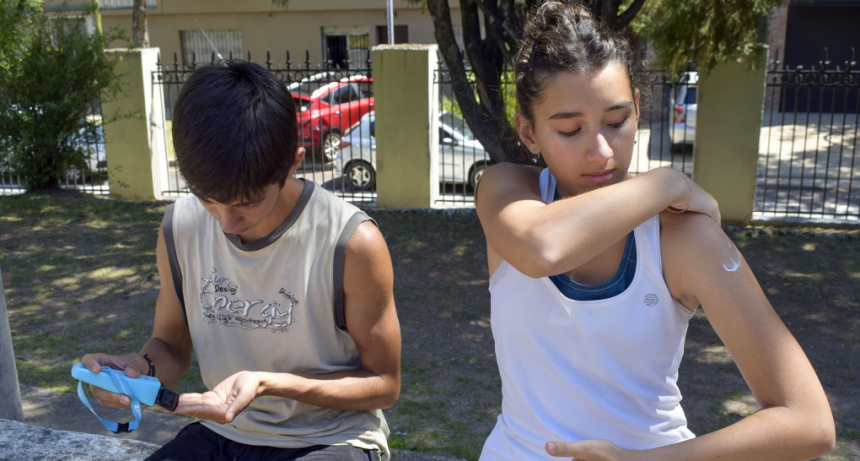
151, 365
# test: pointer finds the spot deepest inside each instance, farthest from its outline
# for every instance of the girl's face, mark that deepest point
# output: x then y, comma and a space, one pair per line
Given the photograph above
584, 127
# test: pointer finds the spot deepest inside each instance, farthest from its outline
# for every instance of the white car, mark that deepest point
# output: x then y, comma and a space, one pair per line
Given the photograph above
462, 159
682, 123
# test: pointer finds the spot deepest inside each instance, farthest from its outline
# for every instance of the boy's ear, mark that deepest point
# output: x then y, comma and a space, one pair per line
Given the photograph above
300, 155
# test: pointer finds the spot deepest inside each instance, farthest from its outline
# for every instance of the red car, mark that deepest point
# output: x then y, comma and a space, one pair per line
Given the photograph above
329, 111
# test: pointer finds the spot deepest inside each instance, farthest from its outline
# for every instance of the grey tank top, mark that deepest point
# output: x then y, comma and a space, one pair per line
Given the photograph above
275, 305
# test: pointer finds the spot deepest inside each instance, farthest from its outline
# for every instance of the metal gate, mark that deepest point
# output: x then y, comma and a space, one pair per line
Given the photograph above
334, 103
808, 162
88, 176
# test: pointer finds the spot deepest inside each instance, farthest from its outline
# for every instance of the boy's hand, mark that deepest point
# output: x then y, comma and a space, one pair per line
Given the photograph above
225, 401
134, 366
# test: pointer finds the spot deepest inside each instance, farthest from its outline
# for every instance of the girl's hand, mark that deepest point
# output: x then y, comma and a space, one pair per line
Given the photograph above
587, 450
702, 202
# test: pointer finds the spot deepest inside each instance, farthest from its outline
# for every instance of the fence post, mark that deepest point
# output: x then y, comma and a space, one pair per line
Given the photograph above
10, 393
728, 128
135, 146
407, 111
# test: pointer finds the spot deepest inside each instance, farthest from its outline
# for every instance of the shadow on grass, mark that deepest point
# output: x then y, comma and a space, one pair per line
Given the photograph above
79, 276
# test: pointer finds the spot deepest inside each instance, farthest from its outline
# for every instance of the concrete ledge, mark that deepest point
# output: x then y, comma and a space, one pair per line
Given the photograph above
23, 441
50, 415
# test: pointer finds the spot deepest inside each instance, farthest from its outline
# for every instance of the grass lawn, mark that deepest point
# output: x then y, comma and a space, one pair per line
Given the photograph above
79, 276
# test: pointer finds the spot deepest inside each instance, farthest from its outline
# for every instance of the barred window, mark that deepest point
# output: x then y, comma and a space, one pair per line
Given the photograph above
342, 43
122, 4
224, 41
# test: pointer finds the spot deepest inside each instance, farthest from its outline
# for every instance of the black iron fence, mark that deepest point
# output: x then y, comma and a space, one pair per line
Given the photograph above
462, 158
334, 103
88, 174
667, 123
808, 165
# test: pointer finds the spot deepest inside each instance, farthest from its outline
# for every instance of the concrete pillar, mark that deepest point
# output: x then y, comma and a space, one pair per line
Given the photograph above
728, 127
407, 113
10, 393
135, 146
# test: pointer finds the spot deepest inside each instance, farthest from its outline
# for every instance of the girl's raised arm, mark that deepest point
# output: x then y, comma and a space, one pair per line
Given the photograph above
541, 240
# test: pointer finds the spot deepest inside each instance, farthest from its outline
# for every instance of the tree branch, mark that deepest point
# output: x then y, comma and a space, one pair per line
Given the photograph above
627, 16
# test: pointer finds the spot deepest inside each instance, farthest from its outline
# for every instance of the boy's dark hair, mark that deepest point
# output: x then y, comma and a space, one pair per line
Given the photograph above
234, 131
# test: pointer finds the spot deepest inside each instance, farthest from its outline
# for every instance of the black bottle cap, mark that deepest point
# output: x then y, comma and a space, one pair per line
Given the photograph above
167, 399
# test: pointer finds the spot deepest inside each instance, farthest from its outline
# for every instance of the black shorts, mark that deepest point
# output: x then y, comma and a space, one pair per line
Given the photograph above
197, 442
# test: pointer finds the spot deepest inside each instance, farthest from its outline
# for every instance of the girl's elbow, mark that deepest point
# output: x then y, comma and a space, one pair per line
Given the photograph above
825, 437
542, 257
538, 264
818, 429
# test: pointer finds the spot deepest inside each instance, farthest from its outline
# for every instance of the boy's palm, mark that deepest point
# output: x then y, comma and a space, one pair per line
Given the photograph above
224, 402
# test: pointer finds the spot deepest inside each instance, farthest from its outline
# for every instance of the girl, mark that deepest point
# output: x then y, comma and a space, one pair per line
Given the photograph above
589, 318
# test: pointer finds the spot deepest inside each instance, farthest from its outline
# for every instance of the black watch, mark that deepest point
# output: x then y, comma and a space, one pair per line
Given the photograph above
151, 365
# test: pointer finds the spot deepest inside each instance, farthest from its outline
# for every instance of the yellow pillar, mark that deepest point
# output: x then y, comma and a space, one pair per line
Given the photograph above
407, 111
134, 144
728, 127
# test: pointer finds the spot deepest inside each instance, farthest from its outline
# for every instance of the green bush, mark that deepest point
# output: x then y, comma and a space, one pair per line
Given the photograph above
51, 74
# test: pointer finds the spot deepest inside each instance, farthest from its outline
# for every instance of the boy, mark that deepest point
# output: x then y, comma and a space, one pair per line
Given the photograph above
283, 290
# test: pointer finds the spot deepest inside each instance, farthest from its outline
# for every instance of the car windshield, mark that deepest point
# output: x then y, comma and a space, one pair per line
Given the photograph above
302, 104
457, 124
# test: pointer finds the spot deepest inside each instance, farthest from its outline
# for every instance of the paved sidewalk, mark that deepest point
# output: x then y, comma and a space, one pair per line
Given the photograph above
64, 412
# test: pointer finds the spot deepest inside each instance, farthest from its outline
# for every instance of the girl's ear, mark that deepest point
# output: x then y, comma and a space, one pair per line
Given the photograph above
525, 130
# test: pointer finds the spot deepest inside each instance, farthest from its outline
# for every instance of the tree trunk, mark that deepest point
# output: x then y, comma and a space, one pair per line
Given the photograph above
484, 124
503, 25
139, 29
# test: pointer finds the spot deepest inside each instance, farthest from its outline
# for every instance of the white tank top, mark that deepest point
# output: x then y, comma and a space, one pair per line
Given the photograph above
578, 370
274, 304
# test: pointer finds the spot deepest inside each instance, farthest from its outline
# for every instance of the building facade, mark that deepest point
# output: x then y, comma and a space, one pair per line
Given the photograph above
334, 30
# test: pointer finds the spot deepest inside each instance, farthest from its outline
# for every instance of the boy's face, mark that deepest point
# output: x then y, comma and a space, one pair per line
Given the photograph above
247, 219
243, 218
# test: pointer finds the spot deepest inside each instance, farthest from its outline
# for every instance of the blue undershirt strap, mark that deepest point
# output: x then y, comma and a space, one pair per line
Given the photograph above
576, 291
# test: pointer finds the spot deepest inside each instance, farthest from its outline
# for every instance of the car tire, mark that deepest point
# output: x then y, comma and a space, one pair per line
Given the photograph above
360, 175
330, 146
475, 174
681, 148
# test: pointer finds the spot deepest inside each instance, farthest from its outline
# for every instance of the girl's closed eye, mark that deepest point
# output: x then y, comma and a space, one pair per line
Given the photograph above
619, 124
568, 134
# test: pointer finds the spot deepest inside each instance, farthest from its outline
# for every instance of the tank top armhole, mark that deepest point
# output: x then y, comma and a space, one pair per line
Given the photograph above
687, 313
173, 261
340, 260
498, 273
